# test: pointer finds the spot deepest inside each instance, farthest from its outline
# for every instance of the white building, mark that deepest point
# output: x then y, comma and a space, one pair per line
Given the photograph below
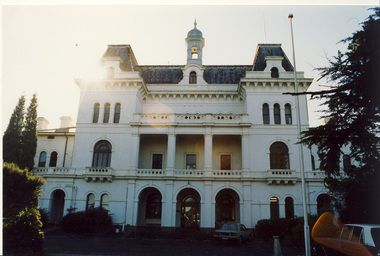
182, 146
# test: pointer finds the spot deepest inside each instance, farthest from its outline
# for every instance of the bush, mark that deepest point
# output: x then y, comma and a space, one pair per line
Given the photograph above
22, 232
291, 231
86, 222
44, 217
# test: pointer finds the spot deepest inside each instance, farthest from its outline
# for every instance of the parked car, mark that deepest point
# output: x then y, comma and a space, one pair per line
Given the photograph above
233, 232
369, 235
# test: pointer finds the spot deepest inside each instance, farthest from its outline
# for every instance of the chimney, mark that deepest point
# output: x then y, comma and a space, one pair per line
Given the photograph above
66, 121
42, 123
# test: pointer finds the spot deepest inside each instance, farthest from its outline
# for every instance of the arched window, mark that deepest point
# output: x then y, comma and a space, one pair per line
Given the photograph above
312, 163
323, 204
153, 207
289, 208
95, 117
274, 72
193, 77
90, 202
346, 161
277, 113
53, 159
106, 118
42, 160
279, 156
274, 208
194, 52
116, 117
288, 114
266, 118
102, 154
105, 201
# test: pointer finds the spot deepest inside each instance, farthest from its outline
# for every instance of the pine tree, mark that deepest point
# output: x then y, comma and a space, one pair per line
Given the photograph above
12, 136
29, 136
352, 129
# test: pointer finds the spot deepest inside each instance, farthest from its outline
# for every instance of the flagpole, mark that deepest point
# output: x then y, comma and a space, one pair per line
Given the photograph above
303, 181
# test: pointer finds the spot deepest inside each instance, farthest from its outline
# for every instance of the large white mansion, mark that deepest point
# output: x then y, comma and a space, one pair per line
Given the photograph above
183, 145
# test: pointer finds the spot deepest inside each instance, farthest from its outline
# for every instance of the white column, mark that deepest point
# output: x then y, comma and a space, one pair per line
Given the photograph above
245, 154
247, 219
135, 150
166, 217
170, 158
206, 217
130, 203
208, 153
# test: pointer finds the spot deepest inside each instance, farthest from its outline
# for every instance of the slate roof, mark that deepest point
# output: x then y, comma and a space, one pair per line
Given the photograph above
264, 50
161, 74
224, 74
123, 53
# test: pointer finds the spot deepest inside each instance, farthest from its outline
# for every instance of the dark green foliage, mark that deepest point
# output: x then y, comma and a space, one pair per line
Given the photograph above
353, 114
44, 214
22, 232
12, 136
290, 231
21, 189
87, 222
29, 136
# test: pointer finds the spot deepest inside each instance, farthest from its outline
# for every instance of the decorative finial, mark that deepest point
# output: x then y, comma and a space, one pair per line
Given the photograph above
195, 23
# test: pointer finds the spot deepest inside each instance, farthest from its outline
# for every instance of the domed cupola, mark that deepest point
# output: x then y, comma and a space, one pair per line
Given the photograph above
195, 43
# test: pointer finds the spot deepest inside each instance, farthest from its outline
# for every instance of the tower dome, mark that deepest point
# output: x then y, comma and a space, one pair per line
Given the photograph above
195, 33
195, 43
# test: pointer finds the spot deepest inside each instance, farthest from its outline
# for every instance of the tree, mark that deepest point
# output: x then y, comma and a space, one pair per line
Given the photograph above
352, 129
29, 136
13, 134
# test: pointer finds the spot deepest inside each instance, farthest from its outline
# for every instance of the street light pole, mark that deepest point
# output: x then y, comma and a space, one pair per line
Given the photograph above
303, 182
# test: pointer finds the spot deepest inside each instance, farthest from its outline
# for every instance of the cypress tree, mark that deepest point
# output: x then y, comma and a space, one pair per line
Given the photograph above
12, 136
29, 136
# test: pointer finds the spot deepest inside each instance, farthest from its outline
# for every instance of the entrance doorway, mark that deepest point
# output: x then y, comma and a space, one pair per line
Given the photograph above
57, 205
226, 207
150, 207
188, 209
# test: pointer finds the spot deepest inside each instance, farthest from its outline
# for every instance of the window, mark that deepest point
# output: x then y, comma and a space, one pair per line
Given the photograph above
42, 160
106, 113
346, 162
194, 52
193, 77
289, 208
288, 114
53, 159
96, 113
153, 207
279, 156
266, 118
323, 204
116, 117
274, 208
105, 201
274, 72
225, 162
90, 202
312, 163
191, 161
157, 161
102, 154
277, 113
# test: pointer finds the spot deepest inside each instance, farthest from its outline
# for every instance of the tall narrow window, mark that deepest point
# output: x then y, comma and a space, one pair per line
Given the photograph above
225, 162
157, 161
193, 77
53, 159
289, 208
90, 202
105, 201
102, 154
106, 118
95, 118
346, 162
42, 160
279, 156
274, 208
191, 161
153, 207
274, 72
266, 118
312, 163
116, 117
288, 114
194, 52
277, 113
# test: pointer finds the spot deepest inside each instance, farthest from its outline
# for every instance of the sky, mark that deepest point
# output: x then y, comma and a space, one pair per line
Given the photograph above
45, 47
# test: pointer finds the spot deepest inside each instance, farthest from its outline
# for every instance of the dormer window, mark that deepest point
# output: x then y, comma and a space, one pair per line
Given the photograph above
274, 72
193, 77
194, 52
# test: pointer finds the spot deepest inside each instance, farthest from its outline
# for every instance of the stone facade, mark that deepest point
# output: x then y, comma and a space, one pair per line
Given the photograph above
188, 146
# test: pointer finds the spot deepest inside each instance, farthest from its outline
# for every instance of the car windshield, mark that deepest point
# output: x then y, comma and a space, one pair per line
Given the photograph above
230, 227
375, 232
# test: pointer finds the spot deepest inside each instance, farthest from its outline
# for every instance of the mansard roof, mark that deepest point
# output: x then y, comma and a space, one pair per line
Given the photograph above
272, 50
122, 53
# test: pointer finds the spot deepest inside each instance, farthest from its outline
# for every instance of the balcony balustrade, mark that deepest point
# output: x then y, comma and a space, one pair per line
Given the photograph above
281, 177
98, 174
52, 170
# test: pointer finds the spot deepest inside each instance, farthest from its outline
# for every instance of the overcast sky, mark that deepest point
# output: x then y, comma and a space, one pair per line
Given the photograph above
44, 48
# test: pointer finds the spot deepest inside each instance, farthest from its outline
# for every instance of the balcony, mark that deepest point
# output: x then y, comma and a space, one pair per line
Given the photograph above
281, 177
98, 174
53, 171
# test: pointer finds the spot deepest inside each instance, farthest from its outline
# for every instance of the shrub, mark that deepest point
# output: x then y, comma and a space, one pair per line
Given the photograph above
86, 222
44, 217
22, 232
